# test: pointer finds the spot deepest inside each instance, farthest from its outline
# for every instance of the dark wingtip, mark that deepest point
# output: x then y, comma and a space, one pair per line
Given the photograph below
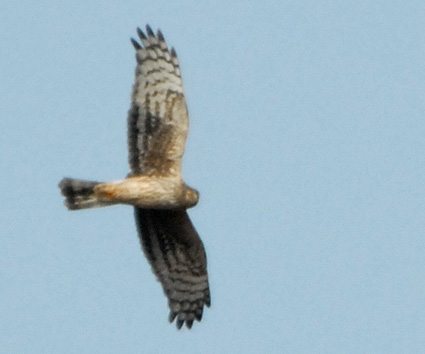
189, 323
173, 52
172, 316
198, 314
141, 34
179, 323
136, 44
149, 31
160, 36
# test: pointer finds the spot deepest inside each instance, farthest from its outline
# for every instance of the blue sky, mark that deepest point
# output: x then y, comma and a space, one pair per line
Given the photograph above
306, 143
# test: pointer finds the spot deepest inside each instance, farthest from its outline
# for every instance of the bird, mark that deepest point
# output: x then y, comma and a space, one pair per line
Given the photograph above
157, 123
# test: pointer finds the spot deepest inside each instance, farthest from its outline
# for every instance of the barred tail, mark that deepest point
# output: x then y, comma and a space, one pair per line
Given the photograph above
80, 194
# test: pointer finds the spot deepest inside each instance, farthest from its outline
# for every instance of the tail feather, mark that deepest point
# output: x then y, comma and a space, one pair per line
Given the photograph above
79, 194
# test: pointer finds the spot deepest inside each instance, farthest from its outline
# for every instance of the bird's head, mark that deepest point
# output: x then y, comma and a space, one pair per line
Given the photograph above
190, 196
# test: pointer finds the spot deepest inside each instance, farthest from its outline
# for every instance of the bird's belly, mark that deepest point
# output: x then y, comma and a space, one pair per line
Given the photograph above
144, 192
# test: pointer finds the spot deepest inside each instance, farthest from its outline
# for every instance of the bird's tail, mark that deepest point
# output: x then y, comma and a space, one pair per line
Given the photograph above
80, 194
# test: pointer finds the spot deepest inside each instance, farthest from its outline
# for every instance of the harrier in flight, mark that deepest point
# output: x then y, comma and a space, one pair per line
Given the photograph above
157, 128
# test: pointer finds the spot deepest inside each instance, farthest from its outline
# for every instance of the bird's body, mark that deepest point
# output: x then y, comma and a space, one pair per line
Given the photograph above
157, 129
140, 191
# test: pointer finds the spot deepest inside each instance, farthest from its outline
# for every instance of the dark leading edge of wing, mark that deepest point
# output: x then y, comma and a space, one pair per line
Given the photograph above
177, 257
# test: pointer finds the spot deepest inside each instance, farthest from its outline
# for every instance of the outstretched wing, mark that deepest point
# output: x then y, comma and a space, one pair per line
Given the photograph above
158, 119
178, 259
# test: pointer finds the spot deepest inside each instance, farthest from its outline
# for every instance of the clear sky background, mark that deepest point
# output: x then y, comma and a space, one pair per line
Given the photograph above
307, 144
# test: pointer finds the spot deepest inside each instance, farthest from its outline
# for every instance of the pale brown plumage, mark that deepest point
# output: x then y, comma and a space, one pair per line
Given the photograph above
157, 128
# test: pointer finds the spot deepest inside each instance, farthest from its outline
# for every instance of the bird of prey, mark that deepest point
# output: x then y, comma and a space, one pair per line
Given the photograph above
157, 128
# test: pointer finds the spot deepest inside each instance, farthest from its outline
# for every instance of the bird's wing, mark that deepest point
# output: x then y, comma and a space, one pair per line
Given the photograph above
178, 259
158, 119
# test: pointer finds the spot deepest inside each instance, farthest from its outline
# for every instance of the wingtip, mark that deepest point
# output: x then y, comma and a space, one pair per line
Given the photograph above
179, 323
136, 44
183, 321
198, 314
160, 35
172, 316
149, 31
189, 323
141, 34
